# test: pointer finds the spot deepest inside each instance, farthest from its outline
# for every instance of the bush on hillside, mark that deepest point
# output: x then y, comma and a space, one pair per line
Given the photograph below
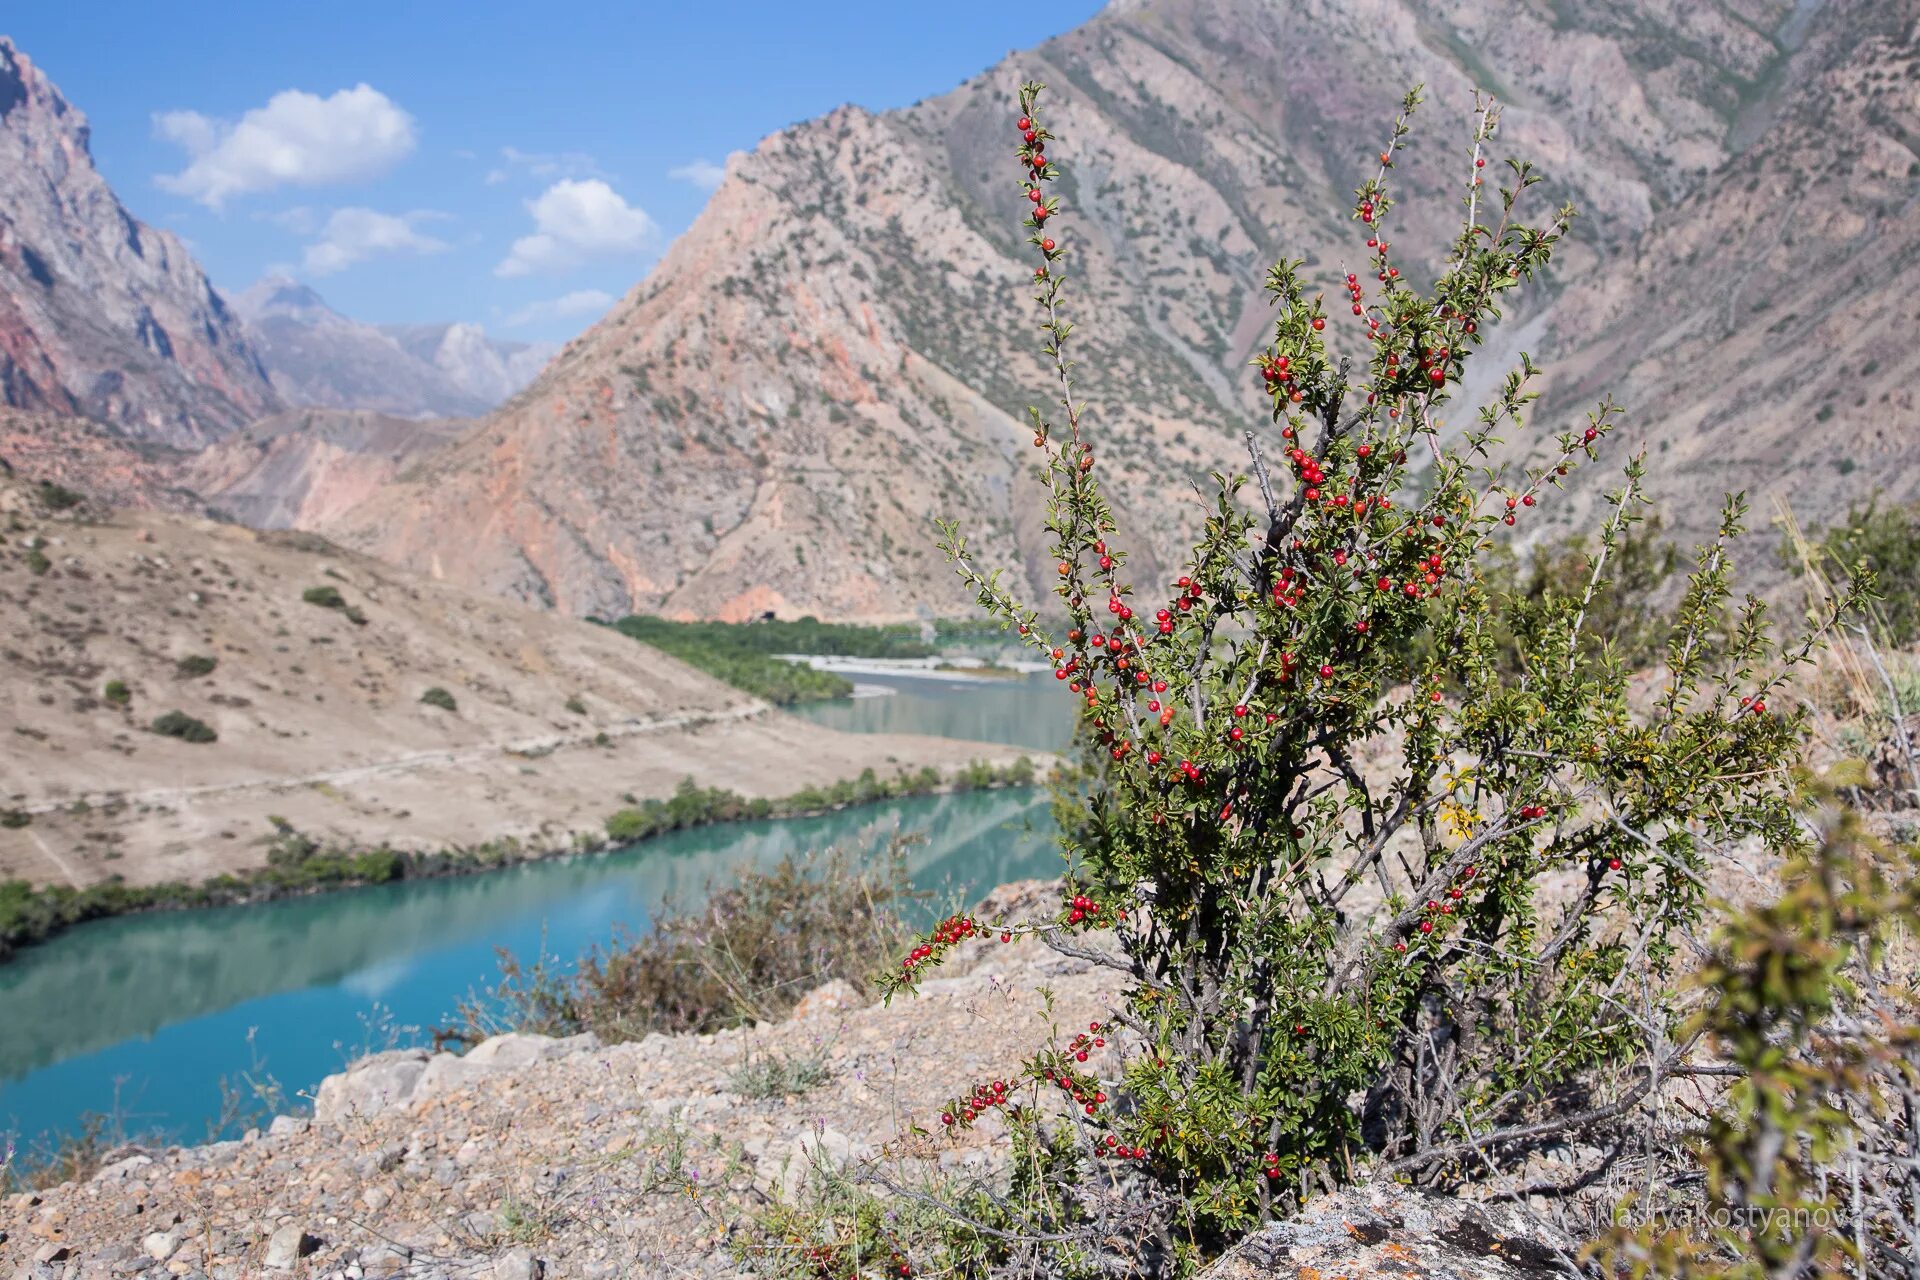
1883, 541
116, 692
178, 724
438, 697
325, 597
1380, 901
748, 953
193, 666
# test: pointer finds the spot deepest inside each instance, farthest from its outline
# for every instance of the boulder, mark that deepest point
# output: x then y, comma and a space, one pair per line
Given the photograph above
837, 996
370, 1085
1391, 1232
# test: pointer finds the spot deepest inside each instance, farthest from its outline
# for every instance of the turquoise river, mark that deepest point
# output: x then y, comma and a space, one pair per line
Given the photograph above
142, 1018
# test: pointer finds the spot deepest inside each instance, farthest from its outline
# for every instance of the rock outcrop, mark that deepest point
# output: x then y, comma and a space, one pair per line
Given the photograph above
102, 316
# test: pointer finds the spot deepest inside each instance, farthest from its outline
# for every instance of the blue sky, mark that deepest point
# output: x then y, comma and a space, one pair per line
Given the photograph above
517, 164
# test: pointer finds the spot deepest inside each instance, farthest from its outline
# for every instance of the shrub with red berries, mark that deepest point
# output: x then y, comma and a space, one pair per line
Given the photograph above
1382, 895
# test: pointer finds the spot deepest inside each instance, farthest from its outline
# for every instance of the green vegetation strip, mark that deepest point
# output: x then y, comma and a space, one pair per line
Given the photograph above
297, 864
742, 653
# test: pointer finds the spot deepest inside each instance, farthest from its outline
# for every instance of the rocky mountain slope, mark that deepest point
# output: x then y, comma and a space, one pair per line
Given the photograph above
101, 316
318, 358
309, 663
1759, 333
305, 467
836, 352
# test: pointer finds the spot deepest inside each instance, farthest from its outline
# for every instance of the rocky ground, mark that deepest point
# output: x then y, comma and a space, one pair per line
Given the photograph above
533, 1157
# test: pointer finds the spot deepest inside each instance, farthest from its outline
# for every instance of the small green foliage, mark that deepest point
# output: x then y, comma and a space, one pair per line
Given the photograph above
58, 497
1882, 541
1809, 1159
438, 697
746, 954
14, 819
575, 705
178, 724
116, 692
778, 1075
193, 666
325, 597
37, 562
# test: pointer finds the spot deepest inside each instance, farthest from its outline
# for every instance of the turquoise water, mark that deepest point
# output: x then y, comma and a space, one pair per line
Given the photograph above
144, 1016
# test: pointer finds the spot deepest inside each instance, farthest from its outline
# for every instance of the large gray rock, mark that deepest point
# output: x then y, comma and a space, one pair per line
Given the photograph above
286, 1246
1391, 1232
370, 1085
403, 1076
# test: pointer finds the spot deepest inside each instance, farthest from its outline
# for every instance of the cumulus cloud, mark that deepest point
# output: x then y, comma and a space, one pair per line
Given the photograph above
354, 235
702, 173
576, 222
568, 306
297, 139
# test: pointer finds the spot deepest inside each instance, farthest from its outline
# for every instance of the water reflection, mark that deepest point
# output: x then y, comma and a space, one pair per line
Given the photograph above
165, 1001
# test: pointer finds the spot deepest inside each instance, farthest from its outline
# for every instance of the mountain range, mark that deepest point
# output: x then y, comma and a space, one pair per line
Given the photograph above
318, 358
840, 348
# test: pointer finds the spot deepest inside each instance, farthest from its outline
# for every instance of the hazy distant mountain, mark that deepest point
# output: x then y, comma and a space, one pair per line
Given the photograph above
319, 358
101, 315
839, 348
490, 368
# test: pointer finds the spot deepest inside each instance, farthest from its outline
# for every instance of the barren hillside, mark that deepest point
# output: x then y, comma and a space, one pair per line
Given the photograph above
318, 711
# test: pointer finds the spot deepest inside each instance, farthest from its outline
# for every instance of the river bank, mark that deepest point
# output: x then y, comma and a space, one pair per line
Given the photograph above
297, 864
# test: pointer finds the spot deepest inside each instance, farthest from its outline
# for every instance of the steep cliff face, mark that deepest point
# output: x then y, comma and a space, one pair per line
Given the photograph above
836, 352
102, 316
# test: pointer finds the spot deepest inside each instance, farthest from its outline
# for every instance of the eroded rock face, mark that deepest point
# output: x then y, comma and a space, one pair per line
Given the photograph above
102, 316
1387, 1231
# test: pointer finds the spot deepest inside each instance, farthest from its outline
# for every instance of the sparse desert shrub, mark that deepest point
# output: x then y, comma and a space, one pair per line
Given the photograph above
1884, 540
438, 697
14, 819
1810, 1159
37, 562
195, 665
325, 597
57, 497
178, 724
1379, 899
777, 1075
576, 706
748, 953
116, 692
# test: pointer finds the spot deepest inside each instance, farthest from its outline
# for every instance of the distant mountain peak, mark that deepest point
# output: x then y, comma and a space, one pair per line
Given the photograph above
282, 296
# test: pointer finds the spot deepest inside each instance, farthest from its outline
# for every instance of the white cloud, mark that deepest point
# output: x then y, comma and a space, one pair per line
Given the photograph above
354, 235
576, 222
568, 306
543, 164
297, 139
703, 173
